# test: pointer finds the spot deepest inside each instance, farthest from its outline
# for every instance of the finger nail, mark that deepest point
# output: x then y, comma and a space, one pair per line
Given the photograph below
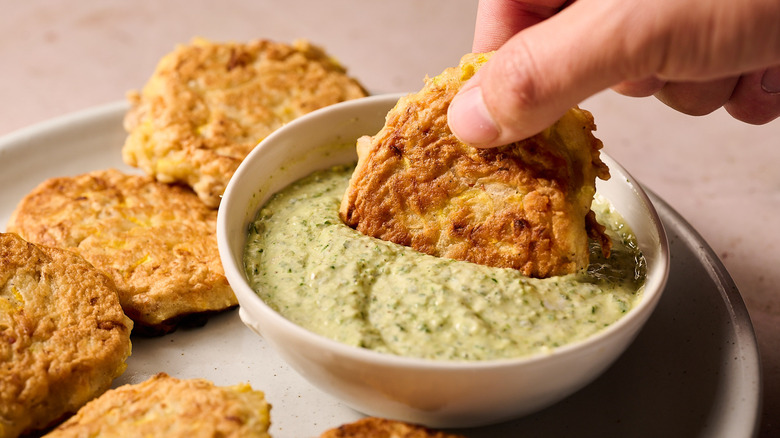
470, 119
770, 82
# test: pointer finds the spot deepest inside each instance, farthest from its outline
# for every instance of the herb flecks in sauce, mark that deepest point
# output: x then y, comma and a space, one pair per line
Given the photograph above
320, 274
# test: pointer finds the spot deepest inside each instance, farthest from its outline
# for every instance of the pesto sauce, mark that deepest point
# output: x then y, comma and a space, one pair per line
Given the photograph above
305, 263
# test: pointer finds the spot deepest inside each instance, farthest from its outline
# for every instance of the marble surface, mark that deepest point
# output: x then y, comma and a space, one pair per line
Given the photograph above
720, 174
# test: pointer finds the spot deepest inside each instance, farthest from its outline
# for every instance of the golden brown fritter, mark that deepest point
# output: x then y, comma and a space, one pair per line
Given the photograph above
520, 206
156, 241
164, 406
207, 105
63, 335
374, 427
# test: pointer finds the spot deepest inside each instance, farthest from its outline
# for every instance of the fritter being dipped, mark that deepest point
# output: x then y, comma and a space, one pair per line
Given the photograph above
524, 206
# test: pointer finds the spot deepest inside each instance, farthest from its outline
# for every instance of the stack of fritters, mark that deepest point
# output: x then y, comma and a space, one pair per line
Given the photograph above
524, 206
204, 108
145, 246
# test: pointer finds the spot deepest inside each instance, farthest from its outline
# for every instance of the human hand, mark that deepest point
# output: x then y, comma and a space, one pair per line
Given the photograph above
695, 56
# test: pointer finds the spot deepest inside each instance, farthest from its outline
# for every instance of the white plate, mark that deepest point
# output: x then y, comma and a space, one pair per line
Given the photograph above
693, 370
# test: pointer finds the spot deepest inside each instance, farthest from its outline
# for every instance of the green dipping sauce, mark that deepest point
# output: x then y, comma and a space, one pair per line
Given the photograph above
305, 263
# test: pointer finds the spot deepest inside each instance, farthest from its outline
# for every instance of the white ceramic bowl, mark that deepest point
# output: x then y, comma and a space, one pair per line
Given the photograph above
435, 393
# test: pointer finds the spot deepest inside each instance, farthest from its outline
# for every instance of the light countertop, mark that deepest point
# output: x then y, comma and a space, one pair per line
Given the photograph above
719, 174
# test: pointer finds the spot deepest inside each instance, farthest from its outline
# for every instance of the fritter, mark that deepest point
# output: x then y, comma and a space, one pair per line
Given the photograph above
63, 335
374, 427
156, 241
164, 406
207, 105
523, 206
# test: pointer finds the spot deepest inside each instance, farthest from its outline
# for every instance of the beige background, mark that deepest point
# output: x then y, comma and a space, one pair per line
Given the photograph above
721, 175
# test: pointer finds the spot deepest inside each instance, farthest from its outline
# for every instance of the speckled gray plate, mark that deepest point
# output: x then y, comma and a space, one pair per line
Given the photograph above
692, 371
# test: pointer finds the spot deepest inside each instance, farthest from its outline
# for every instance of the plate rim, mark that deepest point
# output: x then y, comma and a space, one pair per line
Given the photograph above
729, 293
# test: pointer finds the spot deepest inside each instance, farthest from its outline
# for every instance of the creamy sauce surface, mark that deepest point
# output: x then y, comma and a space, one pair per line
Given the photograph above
321, 274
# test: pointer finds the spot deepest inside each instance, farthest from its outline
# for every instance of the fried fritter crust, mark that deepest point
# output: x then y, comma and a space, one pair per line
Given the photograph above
374, 427
164, 406
63, 335
520, 206
207, 105
156, 241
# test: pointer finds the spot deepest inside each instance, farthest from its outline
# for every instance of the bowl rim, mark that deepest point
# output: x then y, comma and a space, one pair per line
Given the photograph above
654, 286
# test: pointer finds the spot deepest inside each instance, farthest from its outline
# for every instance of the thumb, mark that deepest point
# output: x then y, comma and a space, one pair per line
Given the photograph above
536, 76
